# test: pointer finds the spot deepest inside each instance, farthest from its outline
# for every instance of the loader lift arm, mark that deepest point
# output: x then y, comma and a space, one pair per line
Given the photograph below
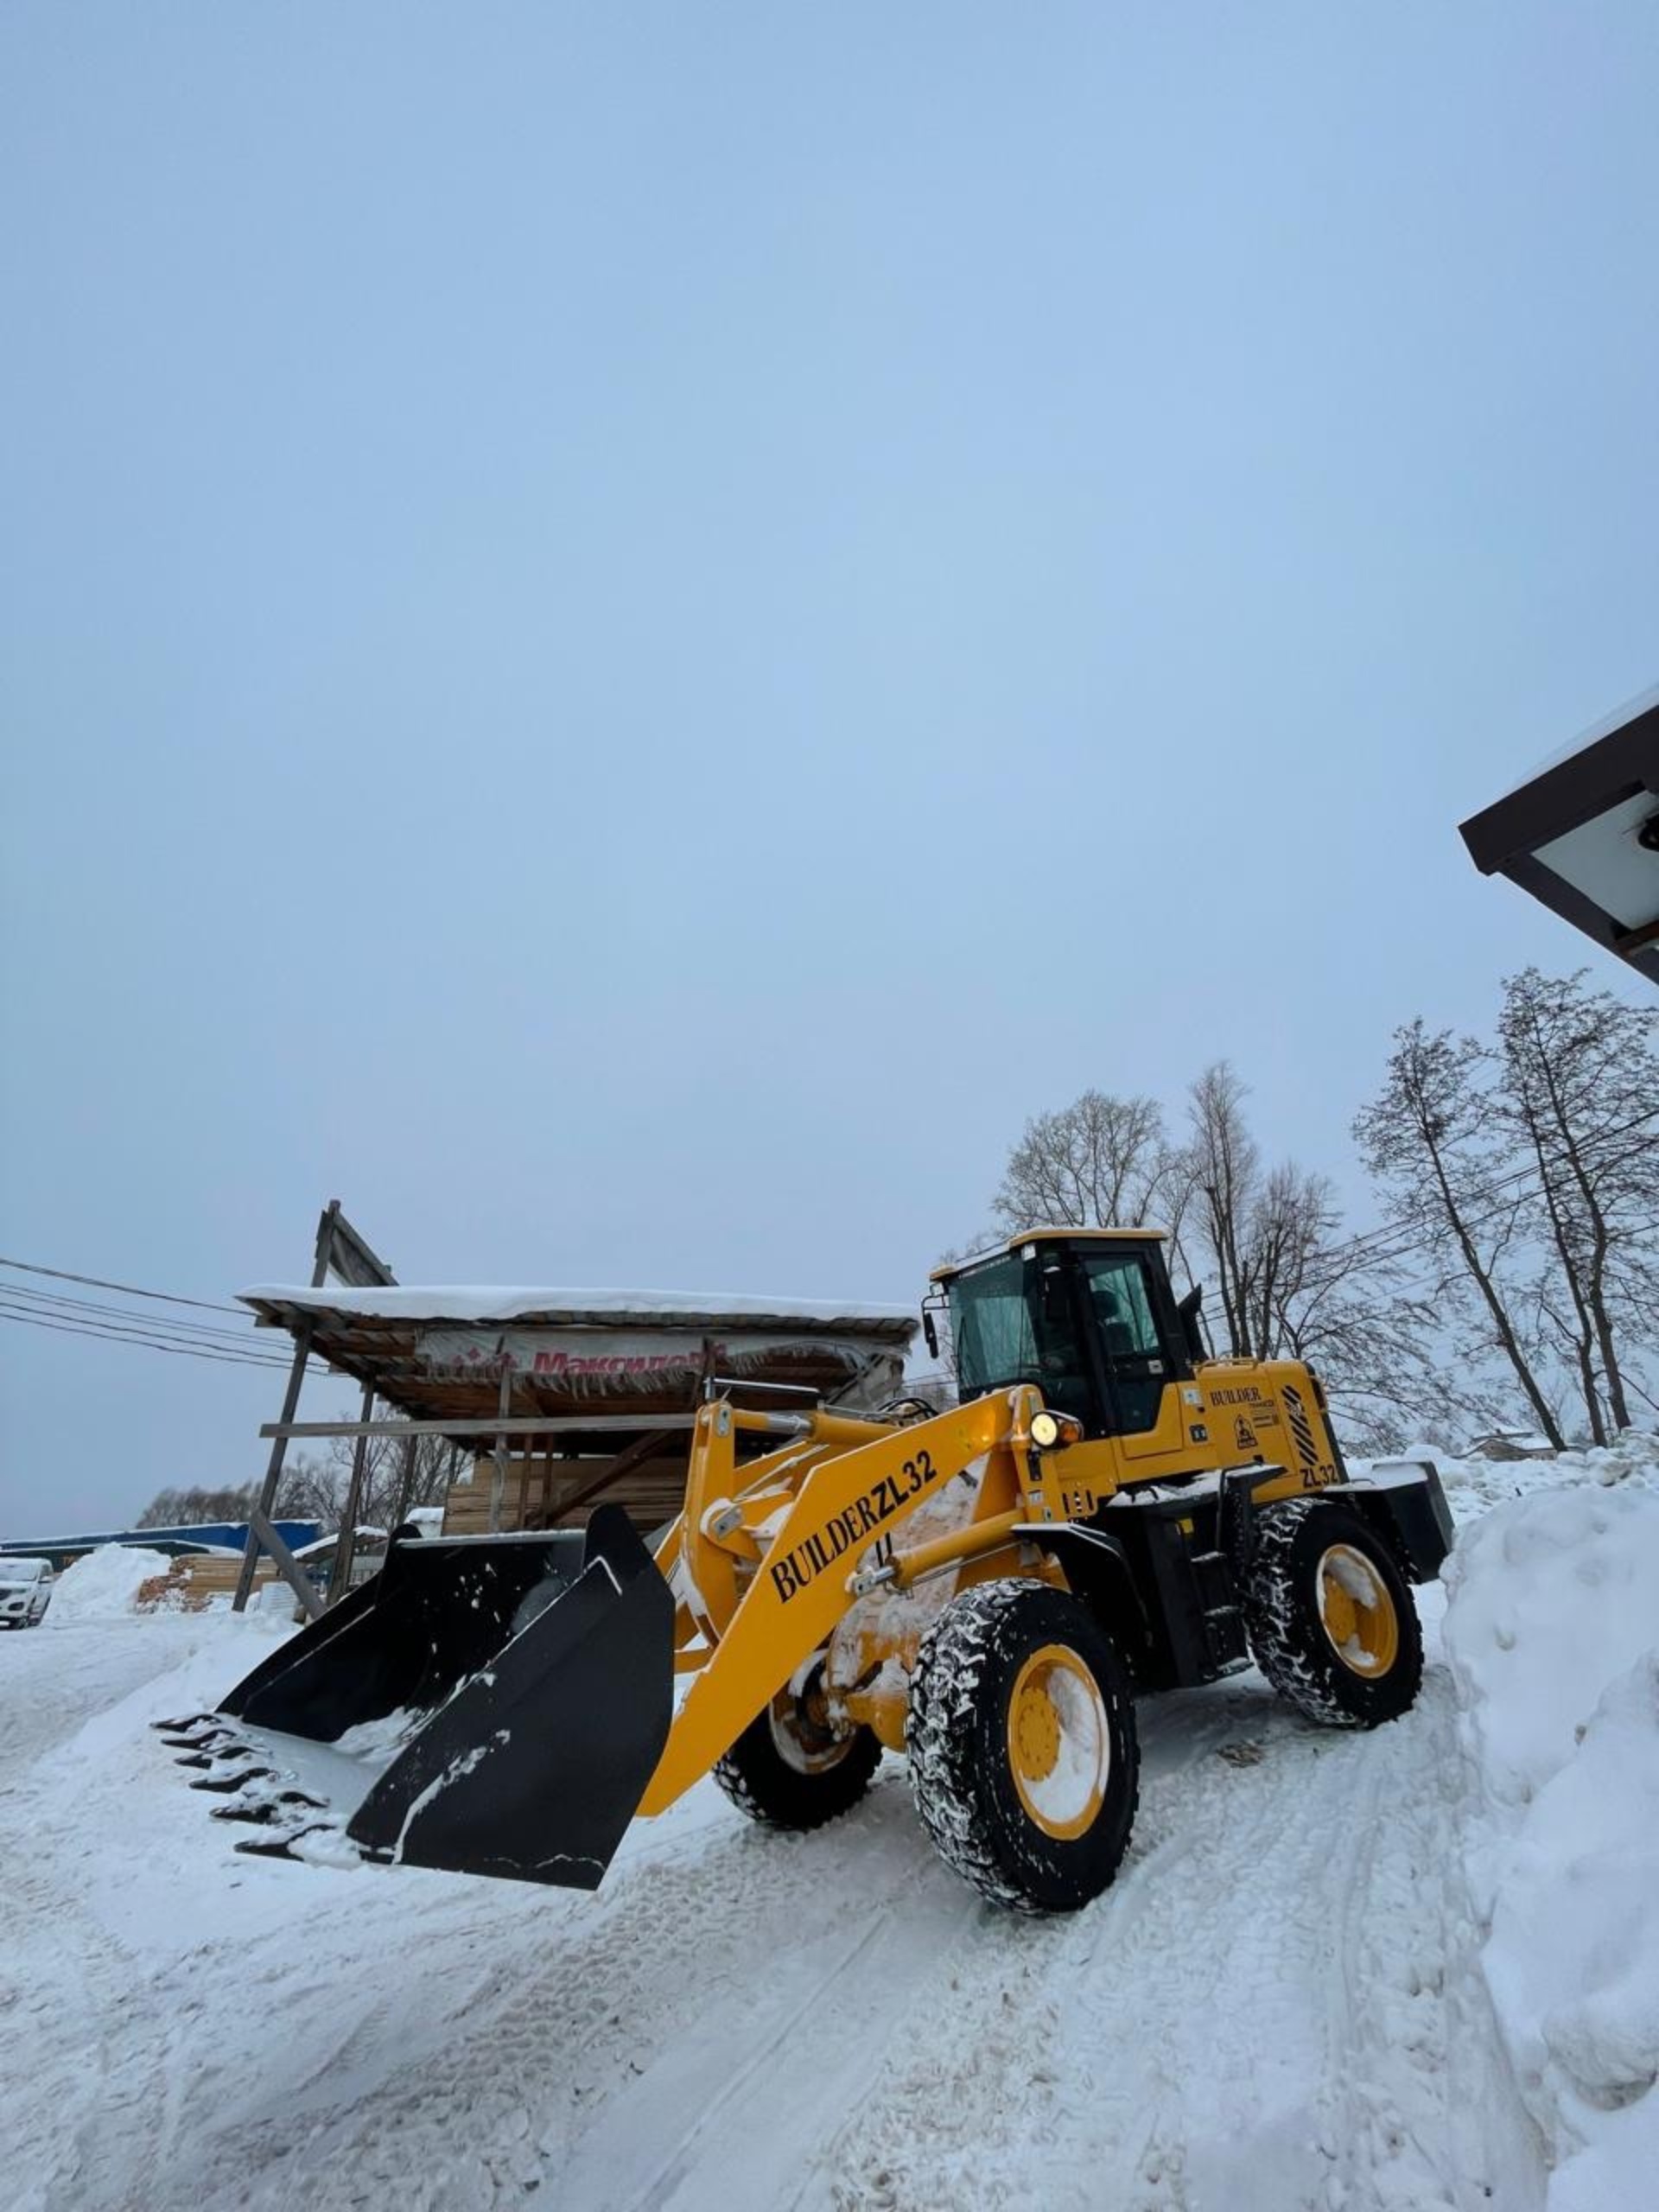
799, 1525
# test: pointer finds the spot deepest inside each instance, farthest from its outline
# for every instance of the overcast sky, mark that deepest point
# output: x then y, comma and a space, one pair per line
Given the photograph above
628, 633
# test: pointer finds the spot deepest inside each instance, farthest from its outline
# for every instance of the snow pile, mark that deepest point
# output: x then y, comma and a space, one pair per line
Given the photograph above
1633, 1458
1553, 1633
103, 1586
1473, 1486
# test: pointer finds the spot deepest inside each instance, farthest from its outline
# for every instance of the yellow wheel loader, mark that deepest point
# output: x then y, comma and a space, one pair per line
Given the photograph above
1109, 1513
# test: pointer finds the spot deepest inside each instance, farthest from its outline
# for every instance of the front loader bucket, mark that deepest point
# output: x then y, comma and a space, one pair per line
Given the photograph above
521, 1685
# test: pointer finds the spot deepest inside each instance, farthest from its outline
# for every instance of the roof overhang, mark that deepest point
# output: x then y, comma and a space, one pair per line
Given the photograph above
1582, 835
572, 1357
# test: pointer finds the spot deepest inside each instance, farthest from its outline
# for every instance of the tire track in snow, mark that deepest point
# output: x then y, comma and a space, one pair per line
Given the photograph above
806, 2063
1255, 2016
65, 2006
1270, 2011
704, 1976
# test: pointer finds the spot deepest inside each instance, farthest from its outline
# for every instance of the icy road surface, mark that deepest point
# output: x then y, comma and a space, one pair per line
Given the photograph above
1274, 2007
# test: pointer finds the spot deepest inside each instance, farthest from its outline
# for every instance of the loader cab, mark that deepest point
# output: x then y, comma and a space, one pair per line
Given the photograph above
1087, 1315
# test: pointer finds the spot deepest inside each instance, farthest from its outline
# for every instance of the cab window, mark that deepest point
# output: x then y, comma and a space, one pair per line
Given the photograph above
1136, 1368
1011, 1321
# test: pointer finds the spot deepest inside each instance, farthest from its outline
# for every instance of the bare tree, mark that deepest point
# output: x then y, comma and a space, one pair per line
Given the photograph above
399, 1474
1349, 1307
1292, 1215
1578, 1096
185, 1507
1289, 1285
1102, 1162
1430, 1138
1094, 1164
1225, 1166
1293, 1287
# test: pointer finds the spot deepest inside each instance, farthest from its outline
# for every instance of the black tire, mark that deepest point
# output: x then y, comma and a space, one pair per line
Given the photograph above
961, 1736
789, 1770
1294, 1646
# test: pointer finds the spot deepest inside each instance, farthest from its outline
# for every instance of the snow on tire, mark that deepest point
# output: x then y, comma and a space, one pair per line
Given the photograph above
1024, 1761
1330, 1614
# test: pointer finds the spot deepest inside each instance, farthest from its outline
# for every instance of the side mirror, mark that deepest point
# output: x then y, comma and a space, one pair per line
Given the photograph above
930, 1331
1187, 1313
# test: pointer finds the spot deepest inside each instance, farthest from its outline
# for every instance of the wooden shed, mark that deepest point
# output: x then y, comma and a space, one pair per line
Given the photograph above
561, 1398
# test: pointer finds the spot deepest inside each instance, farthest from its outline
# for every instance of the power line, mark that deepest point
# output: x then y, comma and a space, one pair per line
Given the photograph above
58, 1302
18, 1317
1394, 1225
1531, 1168
128, 1289
134, 1327
95, 1318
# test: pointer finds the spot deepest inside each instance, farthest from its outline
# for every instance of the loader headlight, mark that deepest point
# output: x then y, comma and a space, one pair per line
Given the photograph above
1044, 1431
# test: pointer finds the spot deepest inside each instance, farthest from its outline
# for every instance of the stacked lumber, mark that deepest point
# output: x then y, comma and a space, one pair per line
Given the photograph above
193, 1581
650, 1492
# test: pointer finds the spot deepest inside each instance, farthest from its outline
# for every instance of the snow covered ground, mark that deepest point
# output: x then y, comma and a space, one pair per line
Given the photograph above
1414, 1969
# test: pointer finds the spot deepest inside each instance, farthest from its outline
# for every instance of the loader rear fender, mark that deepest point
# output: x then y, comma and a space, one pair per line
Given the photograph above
1098, 1568
1405, 1502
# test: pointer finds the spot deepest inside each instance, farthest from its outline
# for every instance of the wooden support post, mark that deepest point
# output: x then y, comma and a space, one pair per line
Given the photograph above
499, 1481
287, 1566
346, 1547
273, 1472
405, 1486
325, 1228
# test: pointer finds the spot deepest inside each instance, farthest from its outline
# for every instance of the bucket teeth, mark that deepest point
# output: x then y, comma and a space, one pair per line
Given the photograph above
260, 1812
216, 1759
186, 1721
204, 1739
279, 1847
226, 1785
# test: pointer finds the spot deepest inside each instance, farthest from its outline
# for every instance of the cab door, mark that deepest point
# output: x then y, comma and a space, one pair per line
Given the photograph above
1143, 1370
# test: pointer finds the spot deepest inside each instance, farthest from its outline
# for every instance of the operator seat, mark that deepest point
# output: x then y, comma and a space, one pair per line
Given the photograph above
1118, 1339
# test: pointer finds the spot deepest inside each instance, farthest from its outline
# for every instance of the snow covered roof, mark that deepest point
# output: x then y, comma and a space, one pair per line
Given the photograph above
366, 1533
466, 1351
471, 1303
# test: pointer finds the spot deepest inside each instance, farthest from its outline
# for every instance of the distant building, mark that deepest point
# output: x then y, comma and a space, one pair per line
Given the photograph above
1509, 1444
195, 1536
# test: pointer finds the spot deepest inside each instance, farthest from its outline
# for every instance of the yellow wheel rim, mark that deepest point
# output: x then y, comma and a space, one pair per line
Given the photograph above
1059, 1742
1356, 1612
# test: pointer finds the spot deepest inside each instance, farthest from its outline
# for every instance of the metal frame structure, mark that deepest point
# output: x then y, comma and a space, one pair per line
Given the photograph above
342, 1253
1582, 835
